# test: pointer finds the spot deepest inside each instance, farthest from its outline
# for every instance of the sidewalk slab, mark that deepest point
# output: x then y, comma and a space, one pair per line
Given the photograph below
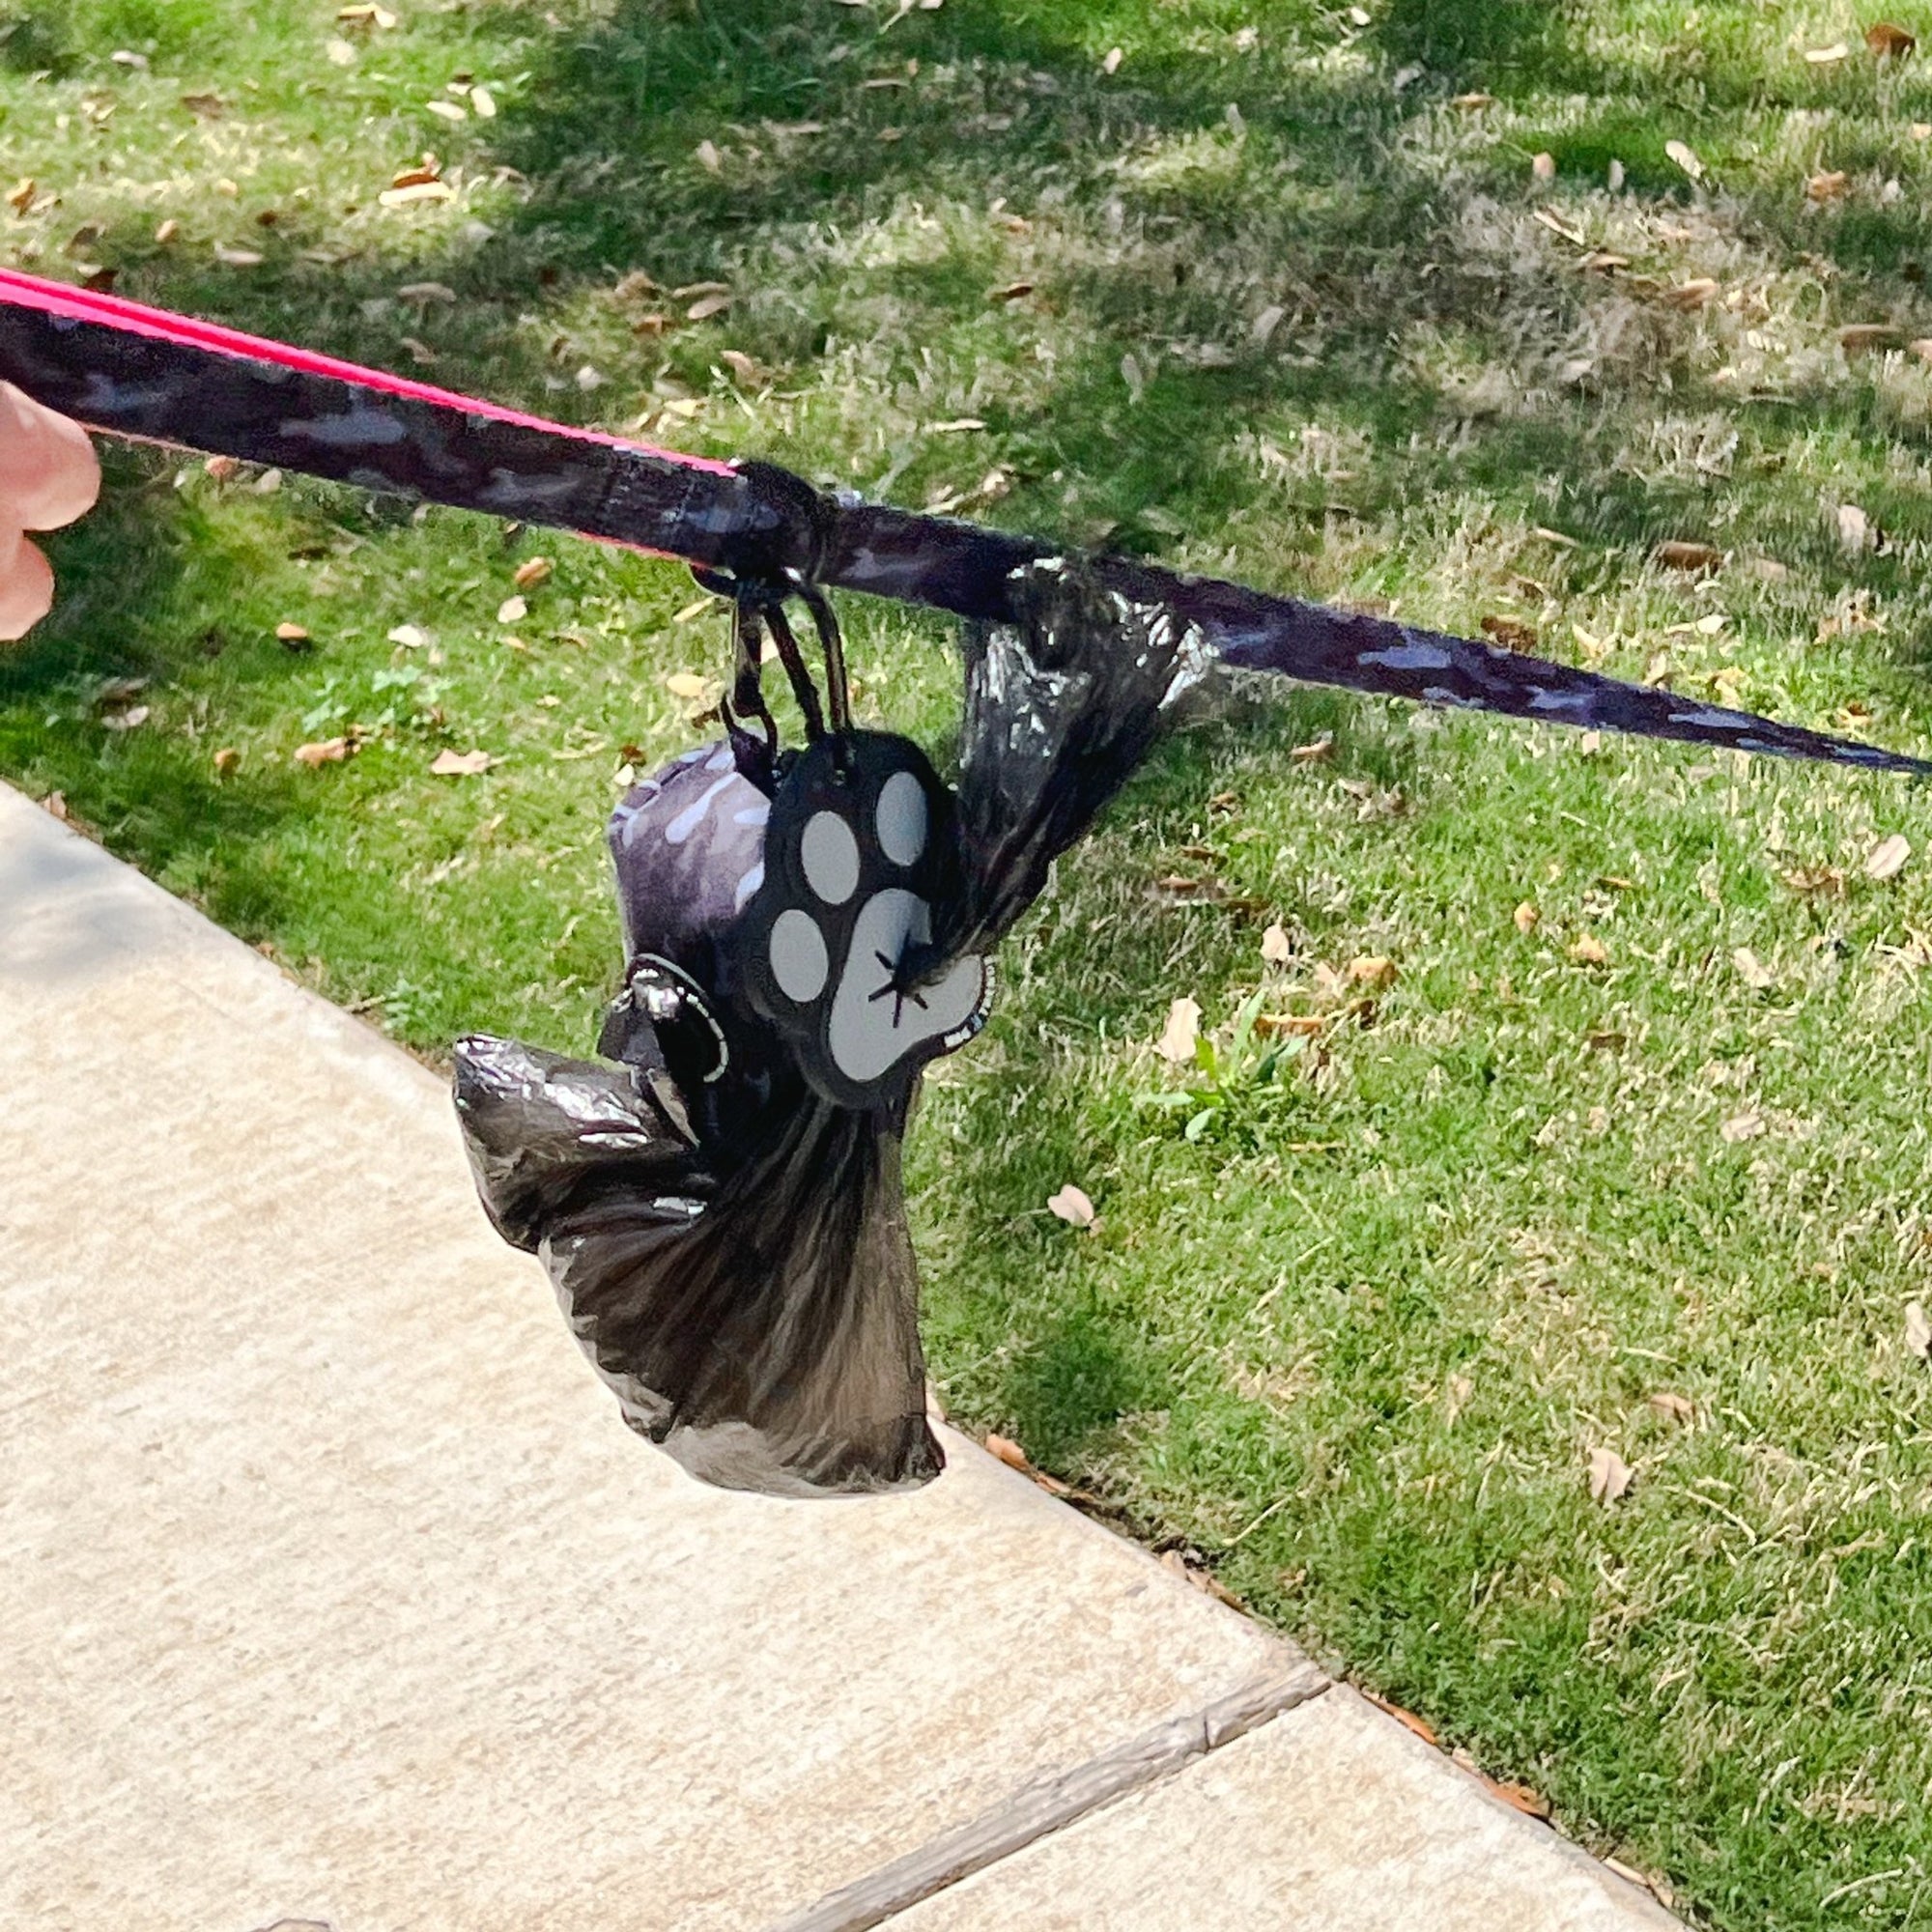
332, 1587
1333, 1818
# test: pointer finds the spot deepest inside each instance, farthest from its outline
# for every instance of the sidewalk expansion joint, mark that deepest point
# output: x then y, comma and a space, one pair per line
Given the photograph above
1053, 1801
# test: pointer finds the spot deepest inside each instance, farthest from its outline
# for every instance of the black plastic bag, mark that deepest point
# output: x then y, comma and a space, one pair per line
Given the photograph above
718, 1200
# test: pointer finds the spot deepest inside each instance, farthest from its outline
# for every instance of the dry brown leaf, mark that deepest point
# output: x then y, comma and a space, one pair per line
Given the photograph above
1512, 633
55, 804
1290, 1026
1543, 166
330, 751
686, 684
1887, 858
1316, 752
512, 610
1526, 917
1824, 187
1520, 1796
167, 231
1473, 104
1678, 1407
1373, 972
1277, 949
449, 764
1686, 157
1590, 950
707, 306
531, 572
1749, 1126
428, 169
1866, 338
416, 191
226, 760
1071, 1206
1004, 1449
1012, 292
22, 196
1752, 970
1181, 1033
1609, 1476
205, 107
1679, 555
749, 371
1556, 225
1815, 879
1889, 42
1408, 1720
1917, 1330
291, 634
1690, 296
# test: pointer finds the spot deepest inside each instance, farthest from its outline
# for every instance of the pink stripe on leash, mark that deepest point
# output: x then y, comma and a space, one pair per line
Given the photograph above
137, 318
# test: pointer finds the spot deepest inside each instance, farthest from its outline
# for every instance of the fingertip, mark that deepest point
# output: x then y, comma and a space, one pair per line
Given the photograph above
26, 588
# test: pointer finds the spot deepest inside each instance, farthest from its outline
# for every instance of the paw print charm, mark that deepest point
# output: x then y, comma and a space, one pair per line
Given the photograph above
859, 849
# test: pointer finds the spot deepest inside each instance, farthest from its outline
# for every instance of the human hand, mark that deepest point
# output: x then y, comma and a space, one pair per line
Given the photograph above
48, 476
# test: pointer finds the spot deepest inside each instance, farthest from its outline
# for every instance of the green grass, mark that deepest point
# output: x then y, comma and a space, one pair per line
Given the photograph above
1349, 1332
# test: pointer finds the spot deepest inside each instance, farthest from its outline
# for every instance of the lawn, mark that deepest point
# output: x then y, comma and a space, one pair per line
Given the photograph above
1590, 1113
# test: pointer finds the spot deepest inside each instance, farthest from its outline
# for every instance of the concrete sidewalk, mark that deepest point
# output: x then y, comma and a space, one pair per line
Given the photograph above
333, 1589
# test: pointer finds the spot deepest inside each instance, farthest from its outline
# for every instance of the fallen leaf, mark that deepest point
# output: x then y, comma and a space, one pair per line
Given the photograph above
127, 721
1372, 971
291, 634
55, 804
1512, 633
686, 684
708, 158
268, 483
330, 751
1473, 104
1752, 970
1746, 1126
1815, 879
21, 198
1590, 950
1526, 918
1609, 1476
1678, 1407
706, 307
1556, 225
531, 572
1291, 1026
428, 169
426, 292
341, 52
167, 231
1679, 555
1887, 858
1316, 752
416, 191
482, 104
1520, 1796
1692, 294
1112, 63
1543, 166
1181, 1033
750, 373
226, 761
1614, 175
1854, 529
1889, 42
1277, 949
1004, 1449
206, 107
1071, 1206
1408, 1720
126, 57
221, 467
512, 610
1863, 338
238, 258
461, 764
1827, 56
1917, 1330
1686, 158
1012, 292
1922, 130
1266, 324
